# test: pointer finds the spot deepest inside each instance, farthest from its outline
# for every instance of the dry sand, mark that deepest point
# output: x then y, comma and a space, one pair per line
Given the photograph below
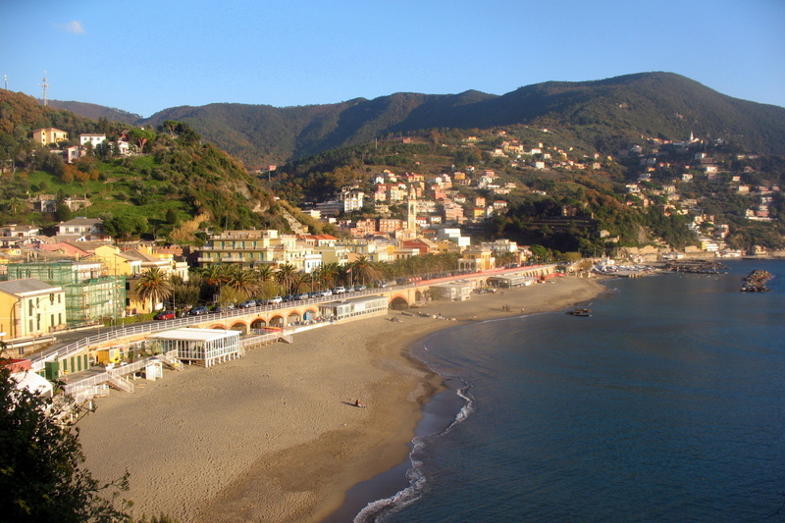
271, 436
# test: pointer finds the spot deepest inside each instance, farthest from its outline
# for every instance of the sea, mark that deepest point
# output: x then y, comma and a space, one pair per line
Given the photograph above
667, 404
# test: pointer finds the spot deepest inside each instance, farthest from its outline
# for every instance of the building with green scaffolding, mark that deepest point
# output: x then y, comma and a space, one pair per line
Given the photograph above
90, 295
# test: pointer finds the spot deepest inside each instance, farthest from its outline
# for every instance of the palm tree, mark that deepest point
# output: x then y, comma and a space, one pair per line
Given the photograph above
286, 275
327, 275
244, 281
153, 285
264, 273
365, 270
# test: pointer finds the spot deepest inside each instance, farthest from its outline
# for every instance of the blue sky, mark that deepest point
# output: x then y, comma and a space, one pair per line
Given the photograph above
144, 56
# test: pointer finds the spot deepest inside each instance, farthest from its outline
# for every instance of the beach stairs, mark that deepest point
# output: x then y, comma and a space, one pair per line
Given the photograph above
286, 338
120, 383
170, 361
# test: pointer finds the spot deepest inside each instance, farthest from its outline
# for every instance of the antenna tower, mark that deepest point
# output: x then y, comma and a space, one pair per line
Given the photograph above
44, 87
5, 82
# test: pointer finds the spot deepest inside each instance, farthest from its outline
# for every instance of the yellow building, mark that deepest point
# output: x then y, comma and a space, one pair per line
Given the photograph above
49, 135
477, 259
116, 262
30, 308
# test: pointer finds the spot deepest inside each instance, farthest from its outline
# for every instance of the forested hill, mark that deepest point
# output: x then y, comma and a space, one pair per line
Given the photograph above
605, 113
173, 185
96, 112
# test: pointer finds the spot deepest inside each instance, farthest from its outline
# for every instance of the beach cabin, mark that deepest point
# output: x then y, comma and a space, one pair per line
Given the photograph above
364, 306
453, 291
511, 280
201, 346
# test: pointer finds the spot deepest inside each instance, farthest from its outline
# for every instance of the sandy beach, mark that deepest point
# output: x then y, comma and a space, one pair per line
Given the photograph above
273, 436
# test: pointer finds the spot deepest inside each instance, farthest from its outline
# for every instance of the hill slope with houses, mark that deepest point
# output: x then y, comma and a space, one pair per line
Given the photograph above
164, 183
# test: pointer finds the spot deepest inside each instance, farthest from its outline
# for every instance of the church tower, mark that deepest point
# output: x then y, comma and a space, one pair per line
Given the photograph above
411, 212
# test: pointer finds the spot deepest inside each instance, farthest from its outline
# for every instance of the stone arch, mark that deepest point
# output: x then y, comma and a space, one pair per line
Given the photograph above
399, 303
310, 313
219, 327
276, 321
259, 324
240, 326
419, 296
293, 317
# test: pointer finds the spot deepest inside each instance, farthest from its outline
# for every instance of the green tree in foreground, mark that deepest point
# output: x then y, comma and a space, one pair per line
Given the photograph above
41, 477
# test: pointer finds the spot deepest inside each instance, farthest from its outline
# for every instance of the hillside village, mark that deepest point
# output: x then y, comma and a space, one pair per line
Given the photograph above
419, 204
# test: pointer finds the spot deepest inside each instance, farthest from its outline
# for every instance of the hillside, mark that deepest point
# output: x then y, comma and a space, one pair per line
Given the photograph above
96, 112
172, 177
606, 113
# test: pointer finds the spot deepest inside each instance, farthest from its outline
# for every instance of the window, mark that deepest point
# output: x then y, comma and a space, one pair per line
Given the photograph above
51, 298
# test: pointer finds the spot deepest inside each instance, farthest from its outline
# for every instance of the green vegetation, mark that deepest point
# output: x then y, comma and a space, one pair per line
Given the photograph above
149, 195
604, 113
42, 477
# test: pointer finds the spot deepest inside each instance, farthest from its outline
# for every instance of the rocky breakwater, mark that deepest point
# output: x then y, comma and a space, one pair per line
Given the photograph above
756, 281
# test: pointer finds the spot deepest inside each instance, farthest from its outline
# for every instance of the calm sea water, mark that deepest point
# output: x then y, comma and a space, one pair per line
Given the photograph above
667, 405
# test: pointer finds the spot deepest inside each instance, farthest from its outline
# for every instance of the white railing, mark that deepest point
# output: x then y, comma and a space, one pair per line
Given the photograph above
65, 351
117, 372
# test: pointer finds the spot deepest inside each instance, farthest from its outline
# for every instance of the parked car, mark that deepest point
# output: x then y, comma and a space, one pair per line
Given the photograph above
247, 304
359, 287
339, 290
223, 308
165, 315
326, 293
198, 311
273, 301
303, 296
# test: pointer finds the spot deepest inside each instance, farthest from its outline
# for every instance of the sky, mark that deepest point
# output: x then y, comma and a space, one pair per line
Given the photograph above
144, 56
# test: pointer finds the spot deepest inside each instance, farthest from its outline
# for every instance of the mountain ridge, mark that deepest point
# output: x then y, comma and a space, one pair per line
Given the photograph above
622, 107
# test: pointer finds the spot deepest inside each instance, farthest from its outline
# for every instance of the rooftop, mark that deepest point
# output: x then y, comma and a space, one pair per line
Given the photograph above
27, 287
189, 334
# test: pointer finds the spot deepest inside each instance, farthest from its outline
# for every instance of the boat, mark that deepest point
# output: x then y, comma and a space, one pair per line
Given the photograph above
581, 311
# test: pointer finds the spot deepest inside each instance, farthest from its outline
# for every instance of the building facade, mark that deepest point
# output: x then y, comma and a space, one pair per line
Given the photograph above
90, 294
49, 135
30, 307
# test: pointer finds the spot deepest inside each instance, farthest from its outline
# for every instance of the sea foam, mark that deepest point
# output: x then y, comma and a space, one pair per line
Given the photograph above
377, 510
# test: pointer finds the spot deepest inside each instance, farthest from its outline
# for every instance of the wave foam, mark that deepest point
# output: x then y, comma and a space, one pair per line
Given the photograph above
376, 510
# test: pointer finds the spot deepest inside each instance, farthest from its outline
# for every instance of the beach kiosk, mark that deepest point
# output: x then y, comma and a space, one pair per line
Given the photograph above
453, 291
516, 279
363, 306
201, 346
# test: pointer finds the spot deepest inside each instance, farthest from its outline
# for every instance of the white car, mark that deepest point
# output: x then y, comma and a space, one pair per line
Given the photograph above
339, 290
276, 300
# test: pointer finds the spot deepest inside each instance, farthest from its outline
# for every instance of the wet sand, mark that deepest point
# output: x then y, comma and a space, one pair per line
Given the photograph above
273, 436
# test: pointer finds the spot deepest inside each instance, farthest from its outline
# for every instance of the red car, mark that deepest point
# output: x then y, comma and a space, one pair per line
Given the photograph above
165, 315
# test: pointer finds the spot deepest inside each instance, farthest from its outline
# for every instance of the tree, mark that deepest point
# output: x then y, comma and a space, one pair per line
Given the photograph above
365, 270
286, 276
154, 285
41, 477
62, 212
141, 137
244, 281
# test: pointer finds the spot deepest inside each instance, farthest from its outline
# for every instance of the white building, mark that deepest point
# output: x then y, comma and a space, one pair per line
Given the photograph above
201, 346
92, 139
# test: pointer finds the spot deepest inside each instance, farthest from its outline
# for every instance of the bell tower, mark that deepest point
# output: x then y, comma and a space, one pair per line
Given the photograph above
411, 212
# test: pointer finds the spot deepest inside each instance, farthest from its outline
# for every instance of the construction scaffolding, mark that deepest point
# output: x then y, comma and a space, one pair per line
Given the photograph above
90, 295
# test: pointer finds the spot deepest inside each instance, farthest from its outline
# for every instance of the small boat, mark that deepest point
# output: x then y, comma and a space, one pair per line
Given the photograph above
582, 311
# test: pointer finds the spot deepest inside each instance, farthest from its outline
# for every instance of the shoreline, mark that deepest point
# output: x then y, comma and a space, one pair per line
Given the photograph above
272, 436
